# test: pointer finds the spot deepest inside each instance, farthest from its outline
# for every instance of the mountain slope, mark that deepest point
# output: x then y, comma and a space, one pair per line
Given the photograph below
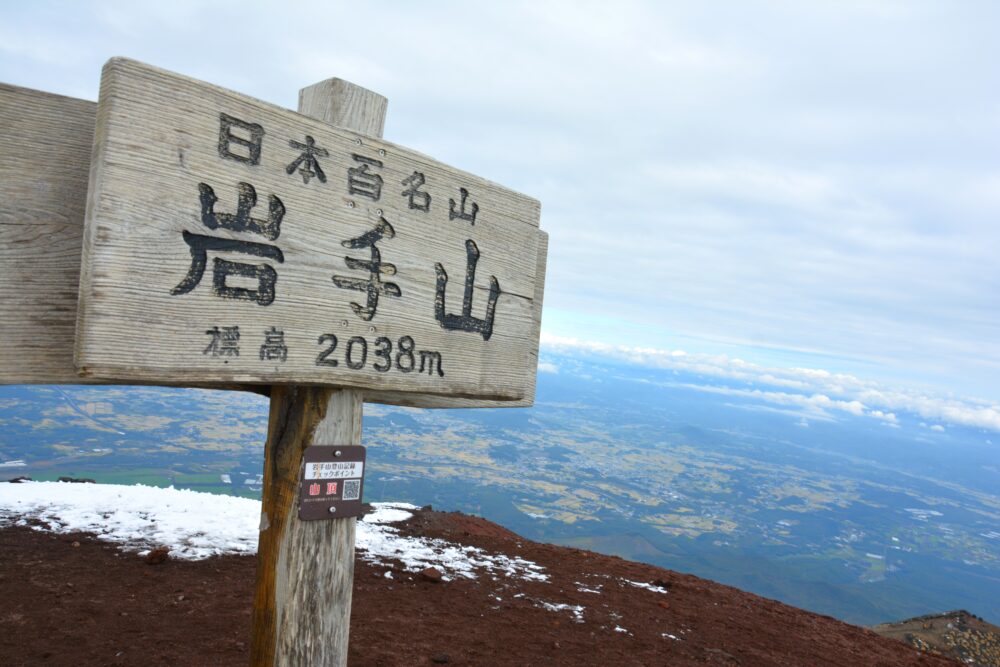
492, 598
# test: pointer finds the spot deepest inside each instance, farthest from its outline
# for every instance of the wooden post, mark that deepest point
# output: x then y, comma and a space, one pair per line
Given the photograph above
305, 569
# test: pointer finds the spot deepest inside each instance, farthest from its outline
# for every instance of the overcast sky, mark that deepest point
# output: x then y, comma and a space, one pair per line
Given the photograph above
793, 183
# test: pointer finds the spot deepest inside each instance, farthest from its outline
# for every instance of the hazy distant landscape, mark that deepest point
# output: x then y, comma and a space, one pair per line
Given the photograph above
845, 511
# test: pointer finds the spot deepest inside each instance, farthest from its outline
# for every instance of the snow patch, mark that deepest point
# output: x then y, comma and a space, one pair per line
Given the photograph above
390, 513
379, 542
648, 587
194, 525
199, 525
575, 609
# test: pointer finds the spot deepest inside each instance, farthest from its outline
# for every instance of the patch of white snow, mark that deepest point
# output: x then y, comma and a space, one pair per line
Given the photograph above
575, 609
583, 589
648, 587
198, 525
194, 525
389, 513
379, 542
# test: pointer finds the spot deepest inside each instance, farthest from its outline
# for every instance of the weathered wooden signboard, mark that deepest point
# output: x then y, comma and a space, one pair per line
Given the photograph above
45, 143
229, 240
221, 241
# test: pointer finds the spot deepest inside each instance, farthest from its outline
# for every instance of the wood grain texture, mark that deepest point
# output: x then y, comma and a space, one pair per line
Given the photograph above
345, 105
414, 400
45, 143
305, 569
158, 140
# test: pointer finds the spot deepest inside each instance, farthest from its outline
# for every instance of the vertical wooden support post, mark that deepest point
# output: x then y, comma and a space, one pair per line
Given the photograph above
305, 569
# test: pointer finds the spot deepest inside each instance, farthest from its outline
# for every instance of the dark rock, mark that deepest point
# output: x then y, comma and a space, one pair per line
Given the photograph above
18, 480
77, 480
718, 656
441, 659
431, 574
157, 555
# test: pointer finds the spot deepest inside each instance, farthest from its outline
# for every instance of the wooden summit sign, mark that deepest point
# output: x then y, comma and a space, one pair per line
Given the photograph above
231, 241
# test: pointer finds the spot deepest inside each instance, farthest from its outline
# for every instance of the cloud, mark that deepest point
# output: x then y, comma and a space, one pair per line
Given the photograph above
749, 182
815, 406
547, 367
887, 417
817, 391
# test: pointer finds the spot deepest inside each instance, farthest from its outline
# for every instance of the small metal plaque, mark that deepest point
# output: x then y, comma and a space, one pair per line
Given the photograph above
331, 482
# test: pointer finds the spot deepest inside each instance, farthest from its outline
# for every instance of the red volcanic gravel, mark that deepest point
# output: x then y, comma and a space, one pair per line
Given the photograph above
73, 600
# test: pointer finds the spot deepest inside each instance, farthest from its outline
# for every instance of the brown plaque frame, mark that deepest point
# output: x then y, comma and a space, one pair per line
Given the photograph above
325, 504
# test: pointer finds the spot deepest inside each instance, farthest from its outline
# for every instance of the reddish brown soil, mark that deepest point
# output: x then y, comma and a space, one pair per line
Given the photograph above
71, 600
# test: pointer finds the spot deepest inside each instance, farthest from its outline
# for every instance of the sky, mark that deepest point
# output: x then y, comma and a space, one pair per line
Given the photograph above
795, 185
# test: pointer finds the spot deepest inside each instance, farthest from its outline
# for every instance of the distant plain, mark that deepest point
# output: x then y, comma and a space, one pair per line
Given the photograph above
841, 514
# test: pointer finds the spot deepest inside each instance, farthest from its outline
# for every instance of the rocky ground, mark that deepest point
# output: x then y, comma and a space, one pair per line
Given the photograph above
69, 599
956, 634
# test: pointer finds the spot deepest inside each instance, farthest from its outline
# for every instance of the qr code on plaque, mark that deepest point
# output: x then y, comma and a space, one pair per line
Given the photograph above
352, 489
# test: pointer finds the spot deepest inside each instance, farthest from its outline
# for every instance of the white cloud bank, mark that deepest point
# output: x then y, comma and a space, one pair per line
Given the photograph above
814, 391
